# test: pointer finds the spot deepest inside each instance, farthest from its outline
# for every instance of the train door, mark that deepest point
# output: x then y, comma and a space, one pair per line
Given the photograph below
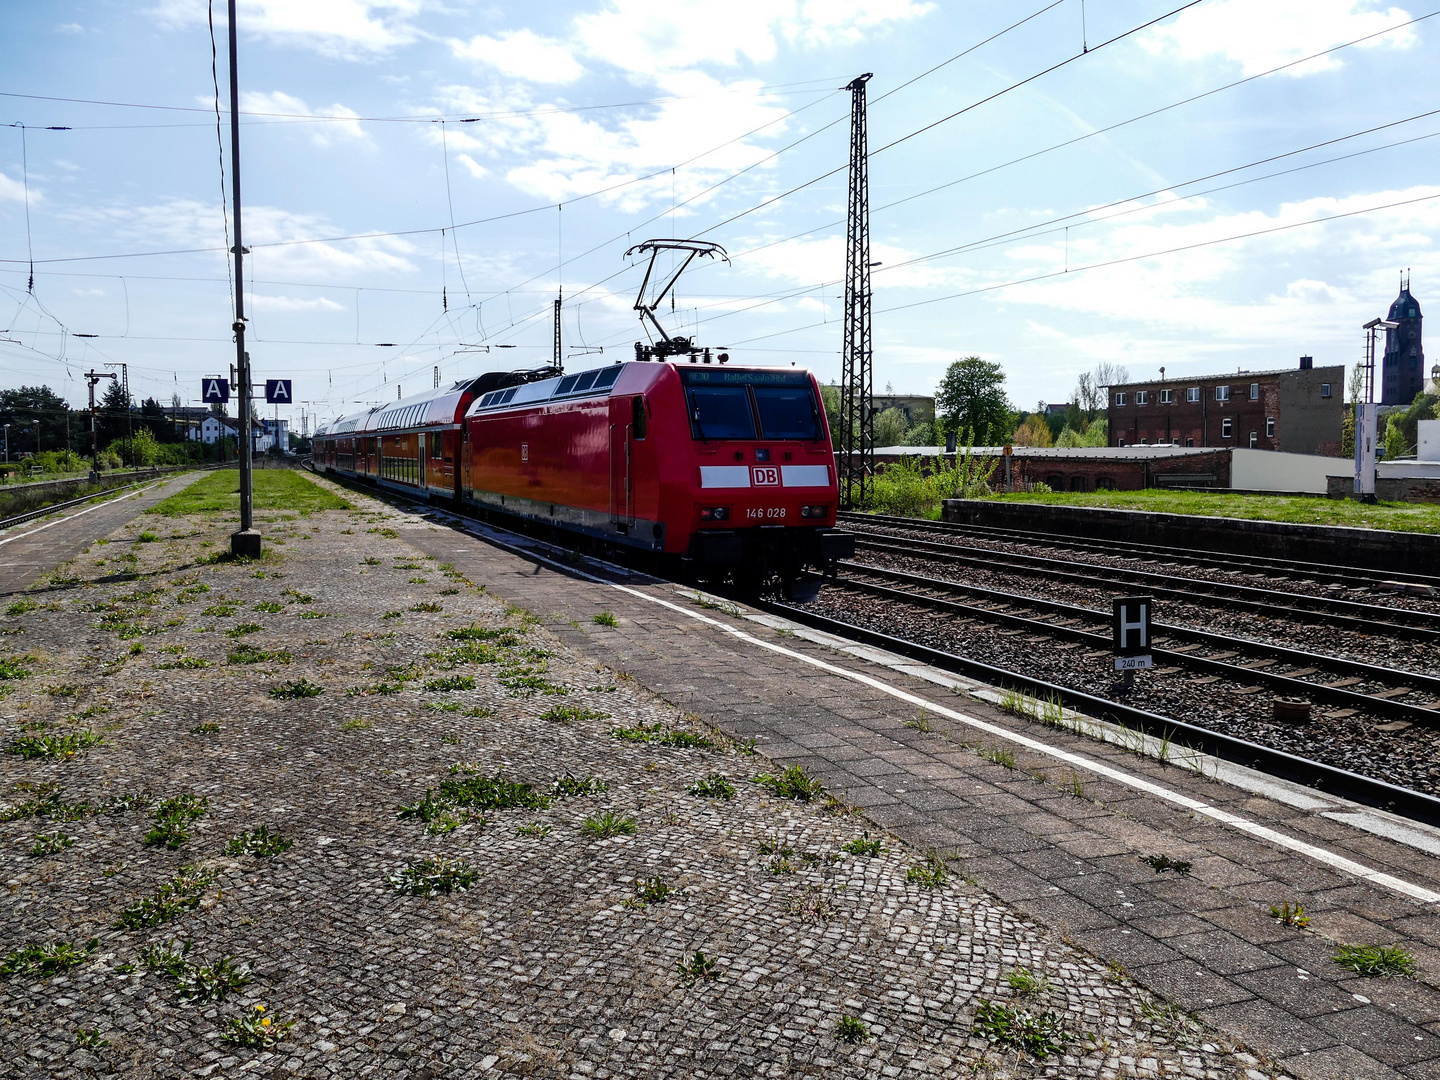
627, 423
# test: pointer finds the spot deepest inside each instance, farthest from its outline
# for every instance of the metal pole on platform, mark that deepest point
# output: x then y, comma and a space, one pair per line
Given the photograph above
857, 433
246, 542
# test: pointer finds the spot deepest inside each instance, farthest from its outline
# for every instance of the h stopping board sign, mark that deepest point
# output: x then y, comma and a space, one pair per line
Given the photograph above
1130, 632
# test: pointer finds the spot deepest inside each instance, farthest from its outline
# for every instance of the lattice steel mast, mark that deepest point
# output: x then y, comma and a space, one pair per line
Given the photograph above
857, 433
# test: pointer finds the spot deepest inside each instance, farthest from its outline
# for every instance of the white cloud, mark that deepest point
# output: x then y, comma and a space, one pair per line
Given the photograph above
322, 132
294, 303
14, 190
70, 28
335, 27
646, 35
522, 54
472, 166
1261, 36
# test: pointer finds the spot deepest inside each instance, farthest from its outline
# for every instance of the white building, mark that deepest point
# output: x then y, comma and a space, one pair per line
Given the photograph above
209, 430
269, 433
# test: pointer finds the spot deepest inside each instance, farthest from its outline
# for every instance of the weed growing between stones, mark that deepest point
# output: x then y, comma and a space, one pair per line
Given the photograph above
1376, 961
931, 874
697, 968
431, 876
426, 605
183, 662
356, 725
254, 1029
173, 817
211, 982
662, 736
812, 904
605, 618
863, 846
605, 825
180, 894
1040, 1036
260, 842
270, 607
1000, 755
205, 729
166, 959
450, 683
849, 1029
239, 630
249, 654
89, 1039
566, 714
536, 829
1162, 863
1026, 983
1289, 915
292, 689
51, 844
793, 783
526, 680
652, 890
570, 786
45, 960
65, 746
713, 786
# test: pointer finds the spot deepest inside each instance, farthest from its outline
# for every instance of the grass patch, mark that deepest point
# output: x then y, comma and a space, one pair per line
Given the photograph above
605, 618
248, 654
528, 680
505, 636
430, 877
713, 786
663, 736
1026, 983
793, 783
275, 489
65, 746
1376, 961
931, 874
449, 683
260, 842
568, 714
1401, 517
1039, 1036
239, 630
569, 786
849, 1029
184, 663
292, 689
219, 611
180, 894
21, 607
14, 667
45, 960
863, 846
205, 729
51, 844
173, 817
605, 825
536, 829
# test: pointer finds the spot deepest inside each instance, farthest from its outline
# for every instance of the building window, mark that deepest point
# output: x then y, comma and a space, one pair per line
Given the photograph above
1226, 428
1142, 397
1167, 397
1254, 439
1077, 483
1324, 389
1269, 427
1104, 483
1192, 394
1222, 393
1119, 399
1119, 442
1254, 391
1144, 442
1189, 442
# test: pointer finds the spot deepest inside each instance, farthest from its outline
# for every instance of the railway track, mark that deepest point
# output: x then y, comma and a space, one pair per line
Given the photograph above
1343, 577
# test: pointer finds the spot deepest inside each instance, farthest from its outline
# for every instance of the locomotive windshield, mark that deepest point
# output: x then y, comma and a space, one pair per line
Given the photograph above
750, 405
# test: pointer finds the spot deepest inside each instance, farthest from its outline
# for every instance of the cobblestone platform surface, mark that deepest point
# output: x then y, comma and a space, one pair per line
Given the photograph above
1061, 844
636, 905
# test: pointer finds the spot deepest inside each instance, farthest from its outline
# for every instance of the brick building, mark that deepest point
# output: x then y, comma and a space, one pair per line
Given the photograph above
1299, 410
1090, 468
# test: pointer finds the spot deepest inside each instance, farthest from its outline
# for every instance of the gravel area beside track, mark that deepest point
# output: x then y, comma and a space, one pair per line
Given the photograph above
1054, 547
554, 963
1410, 758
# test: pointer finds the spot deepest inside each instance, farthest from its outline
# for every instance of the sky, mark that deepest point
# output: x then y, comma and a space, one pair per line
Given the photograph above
1053, 185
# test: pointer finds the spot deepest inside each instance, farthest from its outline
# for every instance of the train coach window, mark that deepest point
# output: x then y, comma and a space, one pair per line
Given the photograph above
720, 412
637, 417
787, 412
585, 381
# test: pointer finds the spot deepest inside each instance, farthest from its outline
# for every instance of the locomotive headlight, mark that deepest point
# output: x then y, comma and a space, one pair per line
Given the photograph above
714, 513
813, 511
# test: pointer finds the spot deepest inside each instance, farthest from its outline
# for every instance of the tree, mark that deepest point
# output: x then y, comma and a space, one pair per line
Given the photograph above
890, 428
971, 398
830, 401
37, 417
1034, 431
114, 421
152, 415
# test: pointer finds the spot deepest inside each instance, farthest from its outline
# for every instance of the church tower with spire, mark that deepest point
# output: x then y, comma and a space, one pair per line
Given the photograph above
1403, 371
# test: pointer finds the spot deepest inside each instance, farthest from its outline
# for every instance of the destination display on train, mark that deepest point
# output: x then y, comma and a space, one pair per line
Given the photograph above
721, 377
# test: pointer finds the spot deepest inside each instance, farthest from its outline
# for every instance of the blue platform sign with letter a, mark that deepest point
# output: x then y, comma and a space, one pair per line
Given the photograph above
277, 391
214, 391
1130, 630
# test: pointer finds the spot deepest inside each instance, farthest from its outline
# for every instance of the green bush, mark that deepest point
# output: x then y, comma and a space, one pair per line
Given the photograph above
915, 486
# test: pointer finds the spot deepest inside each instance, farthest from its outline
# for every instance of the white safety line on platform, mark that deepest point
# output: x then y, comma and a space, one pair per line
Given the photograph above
72, 517
1120, 776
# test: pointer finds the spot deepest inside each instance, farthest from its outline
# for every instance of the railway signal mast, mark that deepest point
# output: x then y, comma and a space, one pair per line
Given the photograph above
246, 542
857, 433
1365, 426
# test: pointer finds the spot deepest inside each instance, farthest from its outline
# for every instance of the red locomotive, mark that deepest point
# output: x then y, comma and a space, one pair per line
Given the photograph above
728, 470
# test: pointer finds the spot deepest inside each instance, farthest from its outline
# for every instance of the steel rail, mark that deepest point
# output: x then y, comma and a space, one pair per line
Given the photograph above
1340, 783
1429, 717
1266, 602
1331, 573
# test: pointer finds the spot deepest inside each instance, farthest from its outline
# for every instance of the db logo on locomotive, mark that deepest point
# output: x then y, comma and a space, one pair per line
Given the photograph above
765, 476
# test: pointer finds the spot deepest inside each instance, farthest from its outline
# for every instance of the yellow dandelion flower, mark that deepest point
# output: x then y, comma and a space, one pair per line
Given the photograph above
259, 1008
265, 1022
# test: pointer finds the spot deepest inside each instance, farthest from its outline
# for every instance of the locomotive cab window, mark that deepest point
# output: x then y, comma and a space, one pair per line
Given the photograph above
720, 412
637, 417
787, 412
